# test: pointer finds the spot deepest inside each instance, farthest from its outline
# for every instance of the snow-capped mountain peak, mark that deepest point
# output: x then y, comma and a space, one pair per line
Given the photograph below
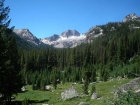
68, 38
69, 33
72, 38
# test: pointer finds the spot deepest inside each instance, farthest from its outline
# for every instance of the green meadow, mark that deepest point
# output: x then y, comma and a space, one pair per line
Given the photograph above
53, 97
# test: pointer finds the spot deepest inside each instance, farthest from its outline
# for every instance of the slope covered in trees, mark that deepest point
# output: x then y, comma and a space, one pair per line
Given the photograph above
116, 53
24, 44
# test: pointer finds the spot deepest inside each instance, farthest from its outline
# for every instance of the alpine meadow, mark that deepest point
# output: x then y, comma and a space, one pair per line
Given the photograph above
99, 67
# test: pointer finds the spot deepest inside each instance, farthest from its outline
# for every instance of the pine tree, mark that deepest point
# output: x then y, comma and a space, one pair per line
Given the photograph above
86, 76
38, 80
54, 79
10, 79
93, 76
42, 82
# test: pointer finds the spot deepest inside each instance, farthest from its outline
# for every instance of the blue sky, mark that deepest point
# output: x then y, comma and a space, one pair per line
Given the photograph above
47, 17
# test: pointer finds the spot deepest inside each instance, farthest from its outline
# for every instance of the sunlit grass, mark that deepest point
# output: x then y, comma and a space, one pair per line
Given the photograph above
104, 89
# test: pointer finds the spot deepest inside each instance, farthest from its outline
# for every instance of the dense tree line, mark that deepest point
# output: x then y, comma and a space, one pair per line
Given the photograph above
10, 78
116, 53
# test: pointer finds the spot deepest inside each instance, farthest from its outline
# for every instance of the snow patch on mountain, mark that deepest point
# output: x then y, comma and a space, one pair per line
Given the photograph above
72, 38
71, 41
68, 39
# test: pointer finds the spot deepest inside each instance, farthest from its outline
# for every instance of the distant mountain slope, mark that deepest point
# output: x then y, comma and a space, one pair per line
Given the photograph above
22, 43
27, 35
93, 33
131, 17
26, 40
112, 26
68, 39
72, 38
70, 33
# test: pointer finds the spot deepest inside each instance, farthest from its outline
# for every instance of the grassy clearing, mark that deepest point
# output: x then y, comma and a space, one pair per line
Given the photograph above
104, 89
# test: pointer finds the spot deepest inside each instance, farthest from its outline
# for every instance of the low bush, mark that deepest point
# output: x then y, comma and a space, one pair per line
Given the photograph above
127, 98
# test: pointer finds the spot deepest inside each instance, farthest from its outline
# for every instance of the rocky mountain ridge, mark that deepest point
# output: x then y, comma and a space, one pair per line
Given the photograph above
93, 33
72, 38
131, 17
68, 38
69, 33
27, 35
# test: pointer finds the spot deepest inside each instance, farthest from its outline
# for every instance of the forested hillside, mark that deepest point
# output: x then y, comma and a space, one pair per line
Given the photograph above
24, 44
116, 53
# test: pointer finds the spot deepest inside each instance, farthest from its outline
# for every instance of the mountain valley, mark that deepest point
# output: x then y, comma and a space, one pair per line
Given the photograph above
90, 67
98, 67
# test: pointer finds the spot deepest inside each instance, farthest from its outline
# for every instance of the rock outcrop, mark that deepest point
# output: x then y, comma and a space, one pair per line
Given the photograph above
69, 94
23, 89
93, 33
48, 87
83, 103
94, 96
134, 85
131, 17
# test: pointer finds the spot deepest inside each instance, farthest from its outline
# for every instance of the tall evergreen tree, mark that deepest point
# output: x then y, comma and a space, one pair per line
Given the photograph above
54, 78
86, 77
10, 79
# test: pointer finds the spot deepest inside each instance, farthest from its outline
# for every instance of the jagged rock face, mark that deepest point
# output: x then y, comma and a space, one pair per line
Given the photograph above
93, 33
69, 93
134, 85
131, 17
69, 33
69, 42
53, 38
98, 31
71, 38
27, 35
68, 39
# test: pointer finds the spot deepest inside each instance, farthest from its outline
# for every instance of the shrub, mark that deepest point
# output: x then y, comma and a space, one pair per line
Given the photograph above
128, 98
